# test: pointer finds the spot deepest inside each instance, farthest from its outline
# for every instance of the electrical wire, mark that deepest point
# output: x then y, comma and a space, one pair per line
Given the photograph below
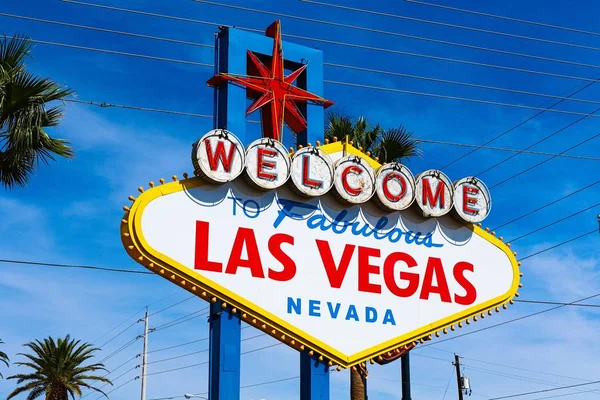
554, 223
177, 357
118, 387
508, 321
120, 349
539, 141
546, 205
178, 345
93, 28
172, 305
449, 380
337, 43
129, 271
429, 141
518, 125
543, 391
121, 53
465, 99
505, 18
181, 320
397, 34
560, 244
118, 334
177, 369
543, 162
556, 303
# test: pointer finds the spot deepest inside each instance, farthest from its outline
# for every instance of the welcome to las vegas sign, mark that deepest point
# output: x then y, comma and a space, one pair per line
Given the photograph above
324, 248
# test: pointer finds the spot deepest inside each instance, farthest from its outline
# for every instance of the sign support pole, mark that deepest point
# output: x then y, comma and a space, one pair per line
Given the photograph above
314, 378
405, 365
224, 354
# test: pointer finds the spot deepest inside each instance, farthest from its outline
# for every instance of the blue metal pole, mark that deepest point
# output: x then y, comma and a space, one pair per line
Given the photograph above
224, 354
314, 378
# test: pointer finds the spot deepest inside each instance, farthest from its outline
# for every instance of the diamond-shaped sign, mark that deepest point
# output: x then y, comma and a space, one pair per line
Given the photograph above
350, 282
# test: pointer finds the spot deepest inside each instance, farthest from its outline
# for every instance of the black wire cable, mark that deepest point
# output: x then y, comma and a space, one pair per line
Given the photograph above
118, 334
556, 303
546, 205
178, 345
508, 321
554, 223
543, 162
128, 271
544, 390
182, 319
559, 244
155, 110
173, 305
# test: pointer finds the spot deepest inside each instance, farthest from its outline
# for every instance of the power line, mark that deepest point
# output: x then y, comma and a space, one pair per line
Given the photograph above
429, 141
559, 244
546, 205
120, 349
93, 28
553, 223
505, 18
397, 34
118, 334
121, 53
156, 110
508, 321
173, 305
544, 390
465, 99
178, 345
118, 387
543, 162
129, 271
556, 303
182, 319
333, 42
177, 369
458, 83
539, 141
506, 132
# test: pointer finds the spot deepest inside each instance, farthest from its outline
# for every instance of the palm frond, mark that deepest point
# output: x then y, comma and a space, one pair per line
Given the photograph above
397, 144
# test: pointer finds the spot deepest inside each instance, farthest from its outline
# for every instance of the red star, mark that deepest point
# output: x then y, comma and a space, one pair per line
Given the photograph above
270, 87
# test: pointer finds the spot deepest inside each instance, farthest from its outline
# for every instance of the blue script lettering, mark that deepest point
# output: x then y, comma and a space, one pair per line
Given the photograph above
357, 228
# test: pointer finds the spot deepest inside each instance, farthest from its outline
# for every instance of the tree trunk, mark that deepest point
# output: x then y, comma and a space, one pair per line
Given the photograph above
357, 385
56, 392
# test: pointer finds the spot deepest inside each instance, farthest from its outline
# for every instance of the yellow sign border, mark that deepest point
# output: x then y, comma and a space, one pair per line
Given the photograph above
139, 250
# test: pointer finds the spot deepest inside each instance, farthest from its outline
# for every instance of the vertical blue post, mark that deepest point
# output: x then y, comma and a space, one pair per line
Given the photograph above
224, 354
314, 378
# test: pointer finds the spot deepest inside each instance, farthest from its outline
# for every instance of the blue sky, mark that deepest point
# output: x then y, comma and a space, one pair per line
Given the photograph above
69, 213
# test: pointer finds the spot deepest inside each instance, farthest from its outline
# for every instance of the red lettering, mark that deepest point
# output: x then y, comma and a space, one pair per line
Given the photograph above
245, 237
470, 291
201, 253
306, 180
430, 198
289, 266
435, 269
386, 190
469, 201
219, 155
349, 189
335, 274
389, 275
262, 163
365, 269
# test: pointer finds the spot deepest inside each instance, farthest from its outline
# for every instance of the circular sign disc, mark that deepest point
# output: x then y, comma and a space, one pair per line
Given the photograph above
268, 164
433, 193
312, 171
472, 200
218, 156
395, 186
354, 179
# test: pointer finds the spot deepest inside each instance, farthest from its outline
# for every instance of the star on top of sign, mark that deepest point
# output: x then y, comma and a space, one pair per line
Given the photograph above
272, 91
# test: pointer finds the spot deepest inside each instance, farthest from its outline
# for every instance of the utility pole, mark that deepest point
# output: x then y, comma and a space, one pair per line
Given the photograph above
144, 355
458, 380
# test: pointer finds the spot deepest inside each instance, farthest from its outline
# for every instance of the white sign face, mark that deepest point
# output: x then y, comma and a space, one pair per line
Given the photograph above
395, 186
354, 179
218, 156
268, 164
472, 200
349, 282
434, 193
312, 171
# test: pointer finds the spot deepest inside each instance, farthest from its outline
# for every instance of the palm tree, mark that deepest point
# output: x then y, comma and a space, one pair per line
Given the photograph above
58, 370
25, 113
3, 358
385, 145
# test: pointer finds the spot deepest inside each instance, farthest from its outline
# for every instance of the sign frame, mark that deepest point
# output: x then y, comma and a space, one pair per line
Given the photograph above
190, 280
